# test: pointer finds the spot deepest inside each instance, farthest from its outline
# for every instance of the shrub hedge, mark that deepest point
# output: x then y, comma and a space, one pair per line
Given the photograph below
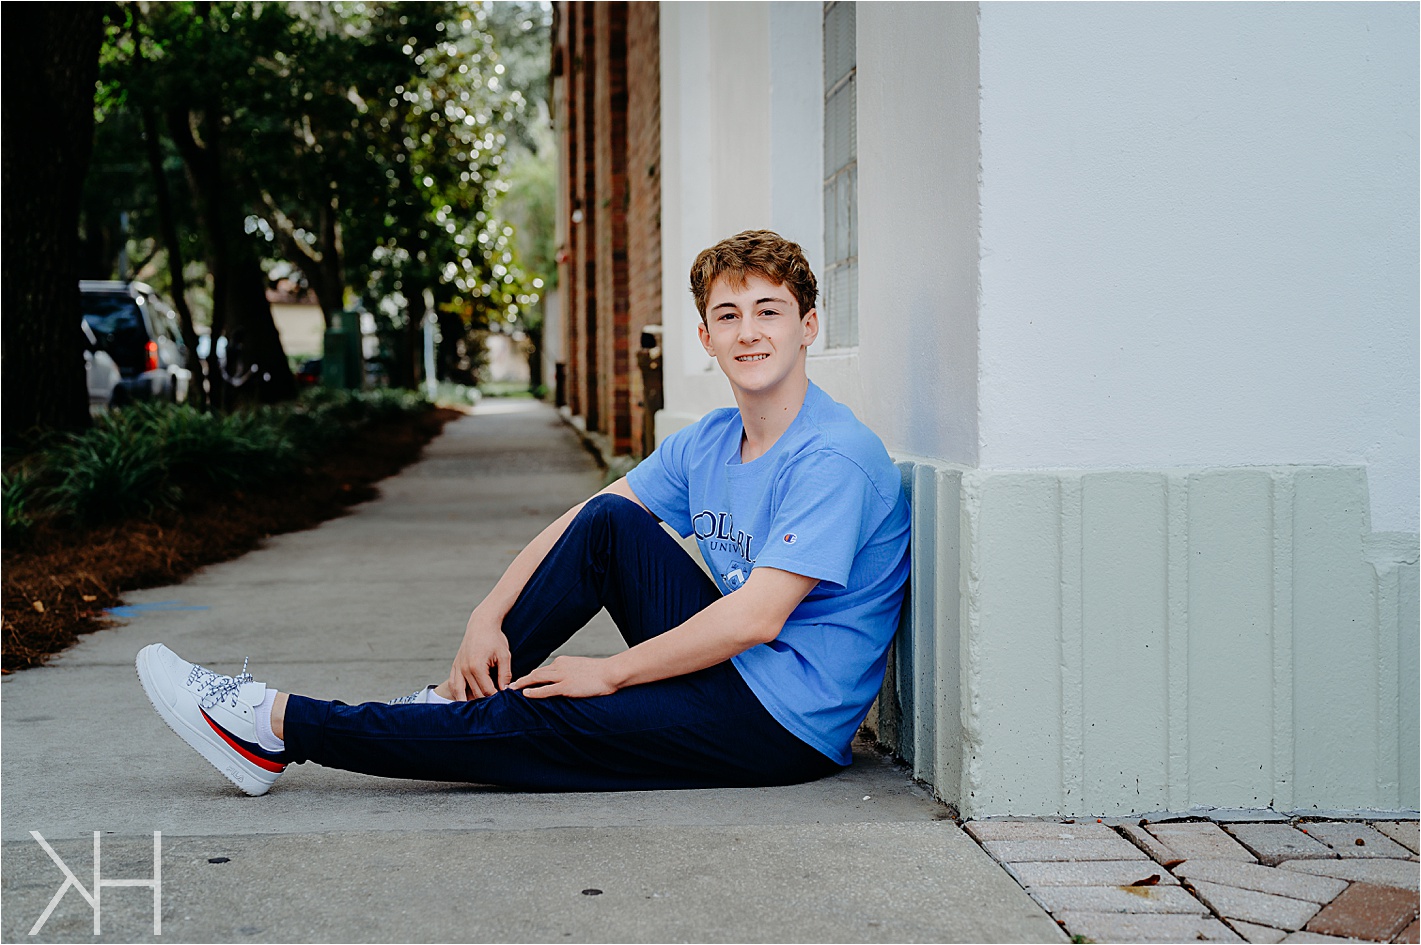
143, 457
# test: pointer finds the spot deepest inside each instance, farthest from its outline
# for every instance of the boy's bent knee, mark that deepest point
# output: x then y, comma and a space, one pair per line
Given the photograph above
613, 507
615, 519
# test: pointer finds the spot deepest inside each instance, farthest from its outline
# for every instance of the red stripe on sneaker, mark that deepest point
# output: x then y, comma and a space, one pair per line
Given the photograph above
242, 749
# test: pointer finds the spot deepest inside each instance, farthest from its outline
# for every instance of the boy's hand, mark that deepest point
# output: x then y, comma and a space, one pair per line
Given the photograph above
574, 676
483, 664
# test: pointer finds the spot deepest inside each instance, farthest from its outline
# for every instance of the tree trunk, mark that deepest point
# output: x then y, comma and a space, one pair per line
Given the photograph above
535, 358
450, 360
169, 227
323, 267
201, 172
257, 370
51, 55
332, 265
254, 368
407, 341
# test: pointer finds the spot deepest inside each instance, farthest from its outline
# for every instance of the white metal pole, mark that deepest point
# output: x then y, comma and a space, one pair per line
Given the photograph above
431, 383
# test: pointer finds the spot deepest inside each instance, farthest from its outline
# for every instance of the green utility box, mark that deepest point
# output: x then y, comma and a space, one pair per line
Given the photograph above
343, 364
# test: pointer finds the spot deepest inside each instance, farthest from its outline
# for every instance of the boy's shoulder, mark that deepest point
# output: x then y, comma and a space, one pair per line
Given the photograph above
836, 435
834, 426
710, 426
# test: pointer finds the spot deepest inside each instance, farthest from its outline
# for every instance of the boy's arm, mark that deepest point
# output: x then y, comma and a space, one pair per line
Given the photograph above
483, 665
752, 615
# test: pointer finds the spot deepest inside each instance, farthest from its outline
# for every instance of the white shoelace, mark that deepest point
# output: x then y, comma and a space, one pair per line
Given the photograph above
215, 687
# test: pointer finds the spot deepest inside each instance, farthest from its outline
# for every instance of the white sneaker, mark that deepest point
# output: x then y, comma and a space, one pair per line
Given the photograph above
215, 714
418, 697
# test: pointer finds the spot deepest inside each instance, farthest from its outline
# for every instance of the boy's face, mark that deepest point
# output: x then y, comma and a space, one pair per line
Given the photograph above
756, 334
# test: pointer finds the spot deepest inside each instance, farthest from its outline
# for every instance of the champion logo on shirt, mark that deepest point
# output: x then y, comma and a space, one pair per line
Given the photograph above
791, 538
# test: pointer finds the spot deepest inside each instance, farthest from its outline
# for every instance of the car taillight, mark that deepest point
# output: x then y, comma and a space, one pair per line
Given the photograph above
152, 349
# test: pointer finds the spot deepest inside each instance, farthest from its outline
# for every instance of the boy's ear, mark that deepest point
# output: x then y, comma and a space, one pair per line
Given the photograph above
704, 334
811, 326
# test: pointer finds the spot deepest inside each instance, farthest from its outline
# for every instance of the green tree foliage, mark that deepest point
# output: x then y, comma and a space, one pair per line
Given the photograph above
523, 31
441, 149
362, 143
199, 67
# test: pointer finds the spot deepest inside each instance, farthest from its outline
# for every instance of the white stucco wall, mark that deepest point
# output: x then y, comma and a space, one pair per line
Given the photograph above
917, 146
742, 148
696, 196
1199, 239
796, 51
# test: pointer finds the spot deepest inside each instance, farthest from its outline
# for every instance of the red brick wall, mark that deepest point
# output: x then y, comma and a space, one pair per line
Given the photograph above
609, 120
608, 125
644, 186
585, 197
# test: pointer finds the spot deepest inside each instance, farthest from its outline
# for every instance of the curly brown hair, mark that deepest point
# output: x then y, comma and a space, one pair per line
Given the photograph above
754, 252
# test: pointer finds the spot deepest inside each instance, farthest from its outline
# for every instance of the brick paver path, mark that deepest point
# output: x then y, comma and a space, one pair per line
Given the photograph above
1188, 880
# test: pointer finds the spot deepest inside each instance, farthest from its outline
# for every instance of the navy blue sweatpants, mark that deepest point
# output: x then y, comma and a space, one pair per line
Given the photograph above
705, 729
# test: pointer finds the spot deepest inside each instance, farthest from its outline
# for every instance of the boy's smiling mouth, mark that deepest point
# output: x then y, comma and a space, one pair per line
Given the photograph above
751, 357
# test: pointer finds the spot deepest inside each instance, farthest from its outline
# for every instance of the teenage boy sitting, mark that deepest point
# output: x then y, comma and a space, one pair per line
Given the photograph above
758, 677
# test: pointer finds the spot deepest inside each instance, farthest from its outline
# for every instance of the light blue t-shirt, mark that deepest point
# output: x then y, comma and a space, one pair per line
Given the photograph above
826, 502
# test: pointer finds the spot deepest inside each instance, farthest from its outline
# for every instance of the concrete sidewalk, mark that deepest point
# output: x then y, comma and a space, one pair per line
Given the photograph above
371, 606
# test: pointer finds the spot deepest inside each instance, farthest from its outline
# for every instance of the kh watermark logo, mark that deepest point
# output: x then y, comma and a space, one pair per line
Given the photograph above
94, 898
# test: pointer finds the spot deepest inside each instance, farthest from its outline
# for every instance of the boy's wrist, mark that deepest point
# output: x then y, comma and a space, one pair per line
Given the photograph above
488, 613
619, 672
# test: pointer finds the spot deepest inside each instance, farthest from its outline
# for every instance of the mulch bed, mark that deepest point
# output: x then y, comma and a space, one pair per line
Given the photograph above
60, 584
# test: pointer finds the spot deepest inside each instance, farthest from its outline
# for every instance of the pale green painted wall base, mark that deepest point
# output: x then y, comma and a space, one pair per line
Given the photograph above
1087, 643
